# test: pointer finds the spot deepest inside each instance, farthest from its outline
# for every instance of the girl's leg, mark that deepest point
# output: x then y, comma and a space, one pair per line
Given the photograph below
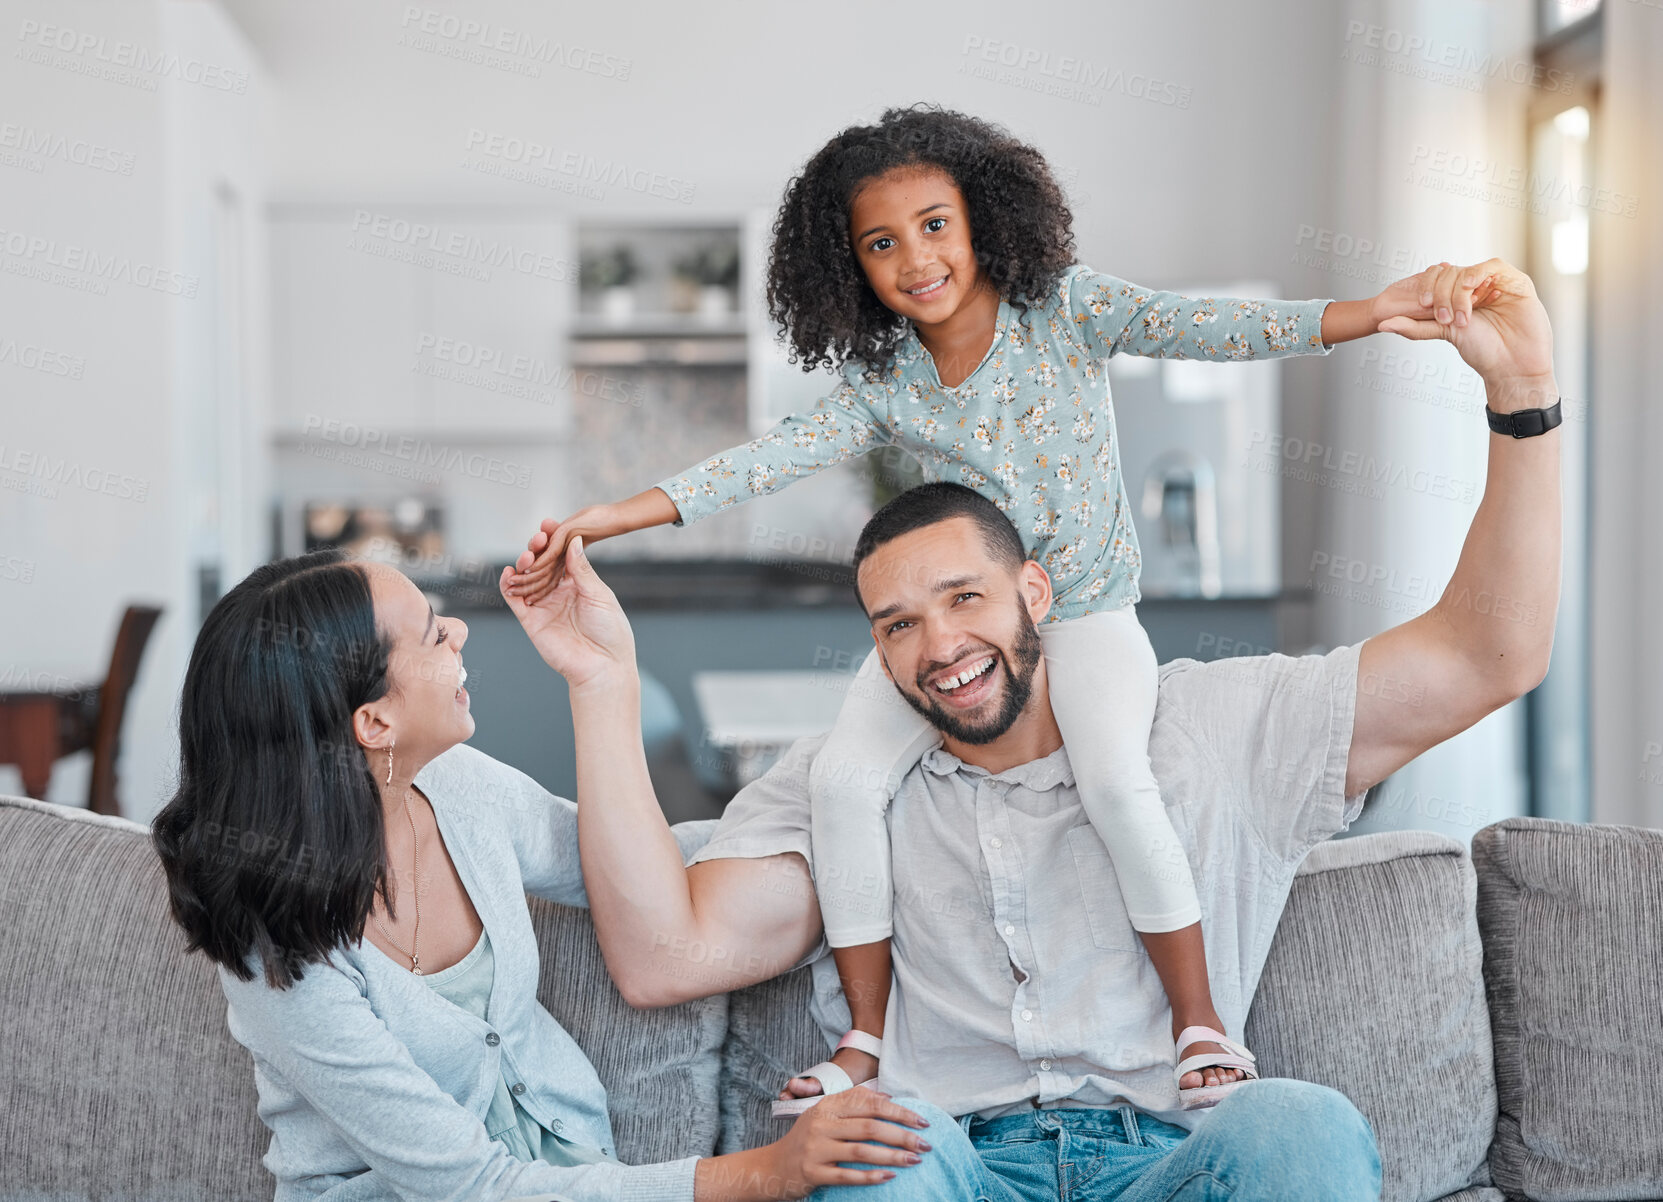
877, 739
1103, 683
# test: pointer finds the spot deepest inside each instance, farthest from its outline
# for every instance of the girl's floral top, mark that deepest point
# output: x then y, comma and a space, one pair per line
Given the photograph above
1032, 428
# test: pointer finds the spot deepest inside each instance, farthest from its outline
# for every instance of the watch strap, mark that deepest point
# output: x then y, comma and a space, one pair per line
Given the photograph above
1525, 423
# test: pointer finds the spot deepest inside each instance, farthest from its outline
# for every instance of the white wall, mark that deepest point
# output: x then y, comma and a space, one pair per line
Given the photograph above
1389, 123
1626, 427
125, 419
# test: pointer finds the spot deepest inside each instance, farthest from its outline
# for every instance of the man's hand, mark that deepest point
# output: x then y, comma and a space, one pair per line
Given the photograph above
1410, 297
1491, 315
581, 632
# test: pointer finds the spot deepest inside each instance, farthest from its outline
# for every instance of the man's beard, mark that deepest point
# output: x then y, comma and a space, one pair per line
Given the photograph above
1019, 686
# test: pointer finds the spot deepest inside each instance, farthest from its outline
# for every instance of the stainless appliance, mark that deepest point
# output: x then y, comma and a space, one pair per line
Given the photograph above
1192, 450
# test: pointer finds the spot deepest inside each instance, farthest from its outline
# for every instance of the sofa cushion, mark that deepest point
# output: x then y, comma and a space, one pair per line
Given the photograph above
660, 1067
771, 1036
1572, 917
1374, 986
118, 1077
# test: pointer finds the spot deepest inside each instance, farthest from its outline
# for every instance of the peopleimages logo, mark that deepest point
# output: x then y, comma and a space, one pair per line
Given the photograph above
1499, 183
417, 242
40, 358
1439, 61
44, 144
364, 446
41, 475
581, 168
483, 37
38, 252
94, 54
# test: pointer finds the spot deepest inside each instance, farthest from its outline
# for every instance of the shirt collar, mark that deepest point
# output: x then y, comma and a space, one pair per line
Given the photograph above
1006, 313
1038, 775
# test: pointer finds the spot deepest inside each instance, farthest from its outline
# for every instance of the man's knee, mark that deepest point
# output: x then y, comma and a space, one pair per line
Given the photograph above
1307, 1132
950, 1169
928, 1111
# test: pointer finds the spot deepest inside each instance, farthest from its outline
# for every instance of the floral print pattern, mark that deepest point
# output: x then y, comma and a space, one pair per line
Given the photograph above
1031, 428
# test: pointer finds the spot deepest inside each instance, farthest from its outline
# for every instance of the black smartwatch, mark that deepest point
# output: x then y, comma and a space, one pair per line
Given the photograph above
1526, 423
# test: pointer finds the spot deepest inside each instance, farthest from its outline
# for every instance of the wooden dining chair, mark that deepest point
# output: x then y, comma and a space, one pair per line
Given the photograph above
38, 728
130, 640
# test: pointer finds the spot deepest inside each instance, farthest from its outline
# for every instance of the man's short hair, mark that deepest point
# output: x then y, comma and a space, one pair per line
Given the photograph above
938, 502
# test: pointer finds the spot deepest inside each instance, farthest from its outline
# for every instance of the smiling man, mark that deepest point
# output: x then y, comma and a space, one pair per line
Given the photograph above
1024, 1009
935, 634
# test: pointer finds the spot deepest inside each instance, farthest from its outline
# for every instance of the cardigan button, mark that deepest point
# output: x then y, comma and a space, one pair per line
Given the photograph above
493, 1039
519, 1087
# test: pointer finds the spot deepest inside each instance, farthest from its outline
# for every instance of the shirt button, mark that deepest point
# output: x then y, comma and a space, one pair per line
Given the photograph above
1027, 1016
519, 1087
557, 1126
996, 843
493, 1039
1045, 1065
1009, 929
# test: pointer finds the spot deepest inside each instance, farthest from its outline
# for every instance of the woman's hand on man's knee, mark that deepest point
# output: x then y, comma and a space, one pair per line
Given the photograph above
857, 1126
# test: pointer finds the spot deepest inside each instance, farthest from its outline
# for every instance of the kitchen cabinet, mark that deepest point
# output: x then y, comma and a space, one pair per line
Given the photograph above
432, 322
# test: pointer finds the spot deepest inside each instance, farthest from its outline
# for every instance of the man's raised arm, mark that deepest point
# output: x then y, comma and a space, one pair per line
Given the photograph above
1488, 638
669, 933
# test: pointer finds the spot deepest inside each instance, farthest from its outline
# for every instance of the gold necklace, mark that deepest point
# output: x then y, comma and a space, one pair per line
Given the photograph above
415, 891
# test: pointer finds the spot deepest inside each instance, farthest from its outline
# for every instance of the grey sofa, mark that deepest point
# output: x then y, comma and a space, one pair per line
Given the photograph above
1496, 1016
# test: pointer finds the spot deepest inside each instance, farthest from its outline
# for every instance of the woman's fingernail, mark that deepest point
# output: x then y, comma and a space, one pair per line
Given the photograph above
924, 1144
913, 1158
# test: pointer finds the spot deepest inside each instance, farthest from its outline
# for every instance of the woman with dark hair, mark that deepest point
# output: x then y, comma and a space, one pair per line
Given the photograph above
358, 876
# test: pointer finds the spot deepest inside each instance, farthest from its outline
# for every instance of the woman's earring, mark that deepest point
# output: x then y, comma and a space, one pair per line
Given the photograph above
390, 761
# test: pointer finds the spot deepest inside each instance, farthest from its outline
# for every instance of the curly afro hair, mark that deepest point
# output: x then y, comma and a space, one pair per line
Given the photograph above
1020, 228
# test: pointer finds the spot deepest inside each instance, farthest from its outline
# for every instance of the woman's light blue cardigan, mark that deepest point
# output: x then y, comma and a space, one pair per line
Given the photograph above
375, 1087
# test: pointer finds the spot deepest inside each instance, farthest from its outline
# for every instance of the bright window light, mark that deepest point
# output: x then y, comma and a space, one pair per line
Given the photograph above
1573, 123
1570, 245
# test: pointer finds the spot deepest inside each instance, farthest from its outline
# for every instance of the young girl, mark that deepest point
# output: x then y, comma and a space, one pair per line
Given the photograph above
930, 258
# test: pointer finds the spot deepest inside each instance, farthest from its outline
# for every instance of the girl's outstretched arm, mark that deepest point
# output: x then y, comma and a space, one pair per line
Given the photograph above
539, 567
846, 423
1113, 316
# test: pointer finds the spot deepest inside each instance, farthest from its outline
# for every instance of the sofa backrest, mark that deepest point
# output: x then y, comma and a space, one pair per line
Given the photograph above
117, 1074
118, 1077
1374, 985
1572, 916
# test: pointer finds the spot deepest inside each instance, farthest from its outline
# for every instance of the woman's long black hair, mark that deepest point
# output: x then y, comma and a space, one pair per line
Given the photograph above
1020, 228
273, 842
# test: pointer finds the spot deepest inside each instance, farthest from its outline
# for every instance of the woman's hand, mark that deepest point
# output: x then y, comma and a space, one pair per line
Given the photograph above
541, 565
813, 1152
580, 629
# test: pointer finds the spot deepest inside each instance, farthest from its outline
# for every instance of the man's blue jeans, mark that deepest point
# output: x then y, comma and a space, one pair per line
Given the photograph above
1274, 1140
